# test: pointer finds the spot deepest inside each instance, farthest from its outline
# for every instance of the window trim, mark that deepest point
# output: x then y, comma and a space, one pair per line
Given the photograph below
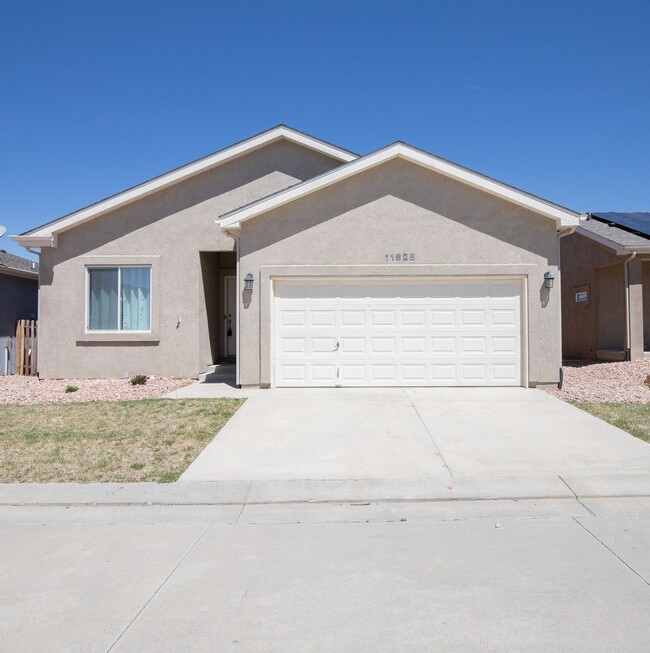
116, 338
118, 331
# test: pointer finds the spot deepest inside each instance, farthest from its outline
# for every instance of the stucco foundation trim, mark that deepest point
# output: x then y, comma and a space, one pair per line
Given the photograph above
269, 274
120, 337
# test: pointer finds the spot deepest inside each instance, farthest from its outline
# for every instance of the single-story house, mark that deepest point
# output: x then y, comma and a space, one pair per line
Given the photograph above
308, 265
606, 287
18, 301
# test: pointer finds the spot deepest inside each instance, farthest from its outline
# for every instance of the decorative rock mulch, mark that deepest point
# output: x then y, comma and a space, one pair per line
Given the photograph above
28, 390
599, 381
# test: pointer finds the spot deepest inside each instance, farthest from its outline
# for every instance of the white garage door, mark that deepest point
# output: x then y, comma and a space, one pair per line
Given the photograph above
387, 333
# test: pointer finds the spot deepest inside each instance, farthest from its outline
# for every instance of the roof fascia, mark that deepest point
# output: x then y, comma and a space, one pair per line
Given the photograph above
45, 236
26, 274
29, 241
563, 217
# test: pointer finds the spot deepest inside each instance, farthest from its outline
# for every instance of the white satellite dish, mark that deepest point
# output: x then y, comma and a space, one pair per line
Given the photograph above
3, 230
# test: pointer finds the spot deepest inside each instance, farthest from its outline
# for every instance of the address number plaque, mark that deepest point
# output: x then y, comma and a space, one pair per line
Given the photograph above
400, 257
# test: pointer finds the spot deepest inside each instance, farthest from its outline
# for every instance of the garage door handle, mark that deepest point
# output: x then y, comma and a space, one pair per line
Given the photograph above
337, 346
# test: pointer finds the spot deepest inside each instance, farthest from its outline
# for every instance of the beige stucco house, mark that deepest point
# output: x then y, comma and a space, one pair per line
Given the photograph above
606, 288
307, 265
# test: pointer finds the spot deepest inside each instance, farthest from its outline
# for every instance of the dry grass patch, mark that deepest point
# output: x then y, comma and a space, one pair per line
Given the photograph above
633, 418
122, 441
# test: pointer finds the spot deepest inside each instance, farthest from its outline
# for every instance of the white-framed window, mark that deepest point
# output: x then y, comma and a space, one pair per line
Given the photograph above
118, 298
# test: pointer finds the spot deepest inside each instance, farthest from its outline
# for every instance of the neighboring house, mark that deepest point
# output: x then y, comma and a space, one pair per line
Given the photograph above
606, 287
18, 301
309, 266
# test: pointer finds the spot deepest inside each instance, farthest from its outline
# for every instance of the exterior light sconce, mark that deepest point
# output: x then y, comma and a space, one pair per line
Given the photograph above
548, 279
248, 281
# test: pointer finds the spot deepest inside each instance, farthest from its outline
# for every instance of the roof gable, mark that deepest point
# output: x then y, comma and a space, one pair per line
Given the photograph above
46, 235
563, 217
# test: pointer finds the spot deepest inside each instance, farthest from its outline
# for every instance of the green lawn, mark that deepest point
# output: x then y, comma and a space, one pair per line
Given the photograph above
633, 418
122, 441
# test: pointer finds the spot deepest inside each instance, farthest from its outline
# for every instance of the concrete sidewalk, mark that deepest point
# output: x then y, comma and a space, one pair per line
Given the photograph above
529, 575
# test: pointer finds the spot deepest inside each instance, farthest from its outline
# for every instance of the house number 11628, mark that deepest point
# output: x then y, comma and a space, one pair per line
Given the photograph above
391, 258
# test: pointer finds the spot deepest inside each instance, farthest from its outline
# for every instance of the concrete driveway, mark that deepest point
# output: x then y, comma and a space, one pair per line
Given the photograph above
412, 433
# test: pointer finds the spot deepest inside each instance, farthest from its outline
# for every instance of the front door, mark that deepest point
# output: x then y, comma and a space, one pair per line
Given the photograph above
230, 316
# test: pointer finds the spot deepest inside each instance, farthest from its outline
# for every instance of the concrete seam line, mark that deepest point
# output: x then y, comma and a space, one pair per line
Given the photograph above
576, 496
444, 462
484, 497
618, 557
148, 601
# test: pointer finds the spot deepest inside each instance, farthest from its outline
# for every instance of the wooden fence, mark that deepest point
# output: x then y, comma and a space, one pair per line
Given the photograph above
27, 347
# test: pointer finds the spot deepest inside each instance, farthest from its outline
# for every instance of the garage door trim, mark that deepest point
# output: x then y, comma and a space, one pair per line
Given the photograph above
323, 280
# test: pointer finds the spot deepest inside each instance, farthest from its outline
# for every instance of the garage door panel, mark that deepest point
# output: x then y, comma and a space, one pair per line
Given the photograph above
321, 345
293, 345
411, 318
504, 372
323, 373
383, 373
472, 318
322, 318
504, 317
442, 318
443, 344
424, 333
413, 345
473, 344
353, 318
505, 344
442, 374
290, 318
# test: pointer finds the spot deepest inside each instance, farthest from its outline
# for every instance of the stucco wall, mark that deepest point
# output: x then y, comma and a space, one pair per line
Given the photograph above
18, 301
167, 229
610, 305
646, 303
399, 207
600, 323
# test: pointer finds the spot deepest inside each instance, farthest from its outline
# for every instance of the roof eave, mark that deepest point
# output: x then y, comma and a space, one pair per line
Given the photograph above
13, 272
36, 241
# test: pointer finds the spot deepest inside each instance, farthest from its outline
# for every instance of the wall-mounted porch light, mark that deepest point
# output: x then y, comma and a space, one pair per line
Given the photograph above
548, 279
248, 281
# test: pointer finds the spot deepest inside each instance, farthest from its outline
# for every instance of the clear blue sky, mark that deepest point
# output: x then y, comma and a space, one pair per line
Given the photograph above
552, 97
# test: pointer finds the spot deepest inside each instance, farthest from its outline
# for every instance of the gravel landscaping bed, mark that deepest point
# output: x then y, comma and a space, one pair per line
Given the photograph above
29, 390
597, 381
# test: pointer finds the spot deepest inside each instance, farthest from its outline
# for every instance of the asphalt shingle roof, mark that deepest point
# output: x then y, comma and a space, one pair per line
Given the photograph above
615, 234
636, 221
14, 262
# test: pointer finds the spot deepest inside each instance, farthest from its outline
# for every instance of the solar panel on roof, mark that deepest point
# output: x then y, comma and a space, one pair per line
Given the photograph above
636, 222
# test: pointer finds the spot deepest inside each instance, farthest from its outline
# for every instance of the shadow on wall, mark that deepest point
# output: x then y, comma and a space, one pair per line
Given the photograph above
247, 297
544, 295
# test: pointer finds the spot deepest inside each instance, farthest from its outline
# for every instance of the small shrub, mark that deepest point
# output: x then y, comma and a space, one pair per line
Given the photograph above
137, 465
138, 379
647, 380
71, 388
